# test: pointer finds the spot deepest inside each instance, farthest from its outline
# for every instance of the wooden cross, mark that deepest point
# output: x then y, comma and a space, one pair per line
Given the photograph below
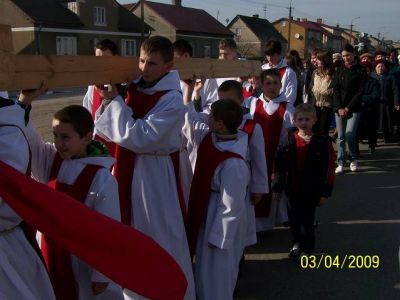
29, 71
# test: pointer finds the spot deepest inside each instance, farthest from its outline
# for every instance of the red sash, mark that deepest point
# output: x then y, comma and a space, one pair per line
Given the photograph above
141, 104
208, 159
281, 72
271, 126
123, 254
248, 92
95, 106
58, 260
249, 126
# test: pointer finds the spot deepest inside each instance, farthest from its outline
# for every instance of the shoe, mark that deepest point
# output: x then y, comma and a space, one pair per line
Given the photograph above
295, 251
353, 166
339, 169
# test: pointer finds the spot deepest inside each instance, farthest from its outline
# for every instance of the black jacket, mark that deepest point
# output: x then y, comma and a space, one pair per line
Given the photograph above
348, 88
318, 176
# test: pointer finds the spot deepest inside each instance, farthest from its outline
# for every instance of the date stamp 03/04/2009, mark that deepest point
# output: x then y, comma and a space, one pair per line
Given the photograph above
340, 262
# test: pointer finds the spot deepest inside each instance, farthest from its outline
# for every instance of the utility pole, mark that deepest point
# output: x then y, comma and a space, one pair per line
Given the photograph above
351, 29
290, 24
142, 20
265, 11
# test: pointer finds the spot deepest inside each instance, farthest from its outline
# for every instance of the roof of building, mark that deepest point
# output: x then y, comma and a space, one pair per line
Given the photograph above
48, 13
129, 22
262, 28
307, 25
186, 19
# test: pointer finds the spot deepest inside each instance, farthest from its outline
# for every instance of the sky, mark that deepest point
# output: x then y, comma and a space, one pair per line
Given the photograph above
375, 16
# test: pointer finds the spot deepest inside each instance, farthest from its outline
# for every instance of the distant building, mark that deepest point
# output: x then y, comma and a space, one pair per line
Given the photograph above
66, 27
252, 33
175, 21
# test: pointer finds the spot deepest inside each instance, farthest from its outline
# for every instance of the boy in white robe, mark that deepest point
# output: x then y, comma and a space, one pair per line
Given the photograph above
92, 99
217, 207
64, 166
231, 89
209, 92
22, 273
147, 128
273, 52
272, 111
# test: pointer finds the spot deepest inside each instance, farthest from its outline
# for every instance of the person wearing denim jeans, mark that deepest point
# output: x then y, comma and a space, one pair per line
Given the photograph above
346, 129
348, 90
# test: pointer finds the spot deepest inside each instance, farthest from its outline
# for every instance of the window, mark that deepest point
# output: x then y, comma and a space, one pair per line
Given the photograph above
66, 45
99, 16
128, 47
72, 6
207, 51
238, 32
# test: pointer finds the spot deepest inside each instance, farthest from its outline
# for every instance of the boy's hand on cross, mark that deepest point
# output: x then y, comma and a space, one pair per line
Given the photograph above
27, 96
108, 92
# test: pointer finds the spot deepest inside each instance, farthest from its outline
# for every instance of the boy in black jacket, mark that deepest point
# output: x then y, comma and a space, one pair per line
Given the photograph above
305, 170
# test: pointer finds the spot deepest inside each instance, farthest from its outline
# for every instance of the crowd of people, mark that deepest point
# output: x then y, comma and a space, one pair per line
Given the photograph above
198, 165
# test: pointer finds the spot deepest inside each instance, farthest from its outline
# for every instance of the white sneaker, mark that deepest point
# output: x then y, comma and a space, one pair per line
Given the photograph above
354, 166
339, 169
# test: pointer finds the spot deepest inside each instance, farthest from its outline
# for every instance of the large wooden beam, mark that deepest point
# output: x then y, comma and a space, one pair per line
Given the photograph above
28, 71
6, 43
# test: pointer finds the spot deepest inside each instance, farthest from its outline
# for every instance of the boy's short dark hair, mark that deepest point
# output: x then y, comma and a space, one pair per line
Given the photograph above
107, 44
78, 116
159, 44
305, 108
269, 72
227, 44
183, 46
232, 85
348, 48
273, 47
229, 112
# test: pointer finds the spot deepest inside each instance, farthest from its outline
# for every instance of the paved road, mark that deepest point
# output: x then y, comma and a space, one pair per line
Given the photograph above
362, 218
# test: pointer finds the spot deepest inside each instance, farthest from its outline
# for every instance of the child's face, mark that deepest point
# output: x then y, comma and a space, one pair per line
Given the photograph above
231, 94
271, 87
304, 121
274, 59
99, 52
178, 54
227, 53
152, 66
215, 125
68, 142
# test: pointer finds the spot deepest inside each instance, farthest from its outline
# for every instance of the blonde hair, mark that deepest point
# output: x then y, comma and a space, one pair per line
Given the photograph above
305, 108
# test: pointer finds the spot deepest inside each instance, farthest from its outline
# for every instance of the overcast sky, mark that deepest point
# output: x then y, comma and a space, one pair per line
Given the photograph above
375, 15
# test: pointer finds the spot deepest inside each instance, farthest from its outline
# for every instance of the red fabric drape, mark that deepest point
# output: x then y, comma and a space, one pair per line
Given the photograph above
208, 159
271, 126
141, 104
120, 252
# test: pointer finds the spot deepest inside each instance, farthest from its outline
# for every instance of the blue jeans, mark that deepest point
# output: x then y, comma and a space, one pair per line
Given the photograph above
346, 129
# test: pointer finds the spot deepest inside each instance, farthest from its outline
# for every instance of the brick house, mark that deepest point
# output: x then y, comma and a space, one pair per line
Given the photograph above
70, 27
175, 21
306, 35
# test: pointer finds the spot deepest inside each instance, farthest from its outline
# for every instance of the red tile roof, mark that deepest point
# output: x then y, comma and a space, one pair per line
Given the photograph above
186, 18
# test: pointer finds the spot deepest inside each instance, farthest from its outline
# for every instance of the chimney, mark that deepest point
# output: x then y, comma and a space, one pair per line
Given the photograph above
304, 20
177, 2
319, 21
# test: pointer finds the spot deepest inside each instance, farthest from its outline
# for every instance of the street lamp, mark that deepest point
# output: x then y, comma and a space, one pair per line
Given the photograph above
351, 26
